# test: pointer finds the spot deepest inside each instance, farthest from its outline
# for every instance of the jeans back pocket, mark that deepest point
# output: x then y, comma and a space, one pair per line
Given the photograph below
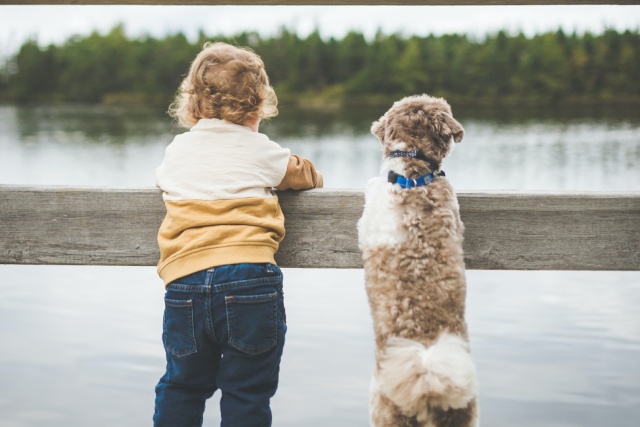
178, 329
253, 322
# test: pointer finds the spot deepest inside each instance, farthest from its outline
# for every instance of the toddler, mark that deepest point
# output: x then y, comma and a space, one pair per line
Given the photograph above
224, 321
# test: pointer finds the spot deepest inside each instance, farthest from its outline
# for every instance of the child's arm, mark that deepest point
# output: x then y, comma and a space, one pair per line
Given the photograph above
300, 175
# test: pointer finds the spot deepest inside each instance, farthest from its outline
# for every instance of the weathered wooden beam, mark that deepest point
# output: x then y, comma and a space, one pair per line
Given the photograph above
552, 231
511, 231
319, 2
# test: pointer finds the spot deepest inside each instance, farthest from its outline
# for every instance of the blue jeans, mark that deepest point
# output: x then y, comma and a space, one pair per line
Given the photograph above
224, 329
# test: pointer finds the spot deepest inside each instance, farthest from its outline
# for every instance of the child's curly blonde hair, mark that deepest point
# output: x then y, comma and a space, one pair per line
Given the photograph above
224, 82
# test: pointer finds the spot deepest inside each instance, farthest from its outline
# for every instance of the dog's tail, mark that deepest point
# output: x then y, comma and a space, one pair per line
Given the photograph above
412, 375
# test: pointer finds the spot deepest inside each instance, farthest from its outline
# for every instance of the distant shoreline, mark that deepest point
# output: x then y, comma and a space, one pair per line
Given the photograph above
550, 70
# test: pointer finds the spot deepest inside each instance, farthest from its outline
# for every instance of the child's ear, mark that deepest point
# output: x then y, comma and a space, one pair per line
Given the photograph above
377, 128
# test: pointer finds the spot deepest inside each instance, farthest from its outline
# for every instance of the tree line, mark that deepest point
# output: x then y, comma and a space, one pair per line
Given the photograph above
548, 69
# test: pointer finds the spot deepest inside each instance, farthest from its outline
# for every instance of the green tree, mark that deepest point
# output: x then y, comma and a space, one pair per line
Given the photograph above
37, 72
409, 72
548, 69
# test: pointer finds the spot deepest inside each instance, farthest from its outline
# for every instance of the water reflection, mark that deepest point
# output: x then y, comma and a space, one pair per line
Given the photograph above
123, 146
91, 123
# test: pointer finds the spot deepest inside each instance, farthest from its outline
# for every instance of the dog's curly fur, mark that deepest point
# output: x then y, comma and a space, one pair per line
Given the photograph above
415, 276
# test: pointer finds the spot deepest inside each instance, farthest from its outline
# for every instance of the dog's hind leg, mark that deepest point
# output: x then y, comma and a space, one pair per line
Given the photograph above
383, 412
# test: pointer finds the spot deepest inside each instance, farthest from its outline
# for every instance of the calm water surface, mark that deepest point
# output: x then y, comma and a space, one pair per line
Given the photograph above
81, 345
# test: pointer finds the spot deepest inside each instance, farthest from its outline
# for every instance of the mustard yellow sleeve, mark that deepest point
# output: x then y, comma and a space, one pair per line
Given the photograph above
300, 175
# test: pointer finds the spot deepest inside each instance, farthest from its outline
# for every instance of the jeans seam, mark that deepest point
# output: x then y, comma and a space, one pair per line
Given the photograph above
246, 283
179, 287
209, 315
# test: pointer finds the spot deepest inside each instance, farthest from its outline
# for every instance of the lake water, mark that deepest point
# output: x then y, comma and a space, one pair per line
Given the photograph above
80, 346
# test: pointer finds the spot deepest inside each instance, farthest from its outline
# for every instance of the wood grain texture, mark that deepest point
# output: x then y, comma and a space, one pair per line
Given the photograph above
79, 226
552, 231
510, 231
318, 2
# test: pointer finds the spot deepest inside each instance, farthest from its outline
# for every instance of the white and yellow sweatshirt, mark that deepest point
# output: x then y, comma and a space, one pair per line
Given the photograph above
217, 181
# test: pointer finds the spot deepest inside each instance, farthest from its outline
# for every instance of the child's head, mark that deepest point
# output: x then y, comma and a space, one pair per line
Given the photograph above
225, 82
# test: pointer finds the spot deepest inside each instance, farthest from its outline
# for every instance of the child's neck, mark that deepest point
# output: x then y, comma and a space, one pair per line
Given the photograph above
253, 125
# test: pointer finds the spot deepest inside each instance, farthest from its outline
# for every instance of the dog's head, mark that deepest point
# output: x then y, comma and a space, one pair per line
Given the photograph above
421, 123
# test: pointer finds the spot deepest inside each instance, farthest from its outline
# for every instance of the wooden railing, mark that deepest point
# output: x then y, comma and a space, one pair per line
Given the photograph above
510, 231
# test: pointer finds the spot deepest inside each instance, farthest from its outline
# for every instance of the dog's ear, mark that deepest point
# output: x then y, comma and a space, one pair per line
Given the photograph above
377, 128
449, 127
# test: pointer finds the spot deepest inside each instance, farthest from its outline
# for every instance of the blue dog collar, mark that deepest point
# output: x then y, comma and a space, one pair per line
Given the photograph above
405, 182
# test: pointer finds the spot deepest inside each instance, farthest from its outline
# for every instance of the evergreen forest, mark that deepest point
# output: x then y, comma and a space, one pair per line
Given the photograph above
551, 69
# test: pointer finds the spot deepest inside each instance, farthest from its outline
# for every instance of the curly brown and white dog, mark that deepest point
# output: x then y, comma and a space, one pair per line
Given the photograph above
411, 237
